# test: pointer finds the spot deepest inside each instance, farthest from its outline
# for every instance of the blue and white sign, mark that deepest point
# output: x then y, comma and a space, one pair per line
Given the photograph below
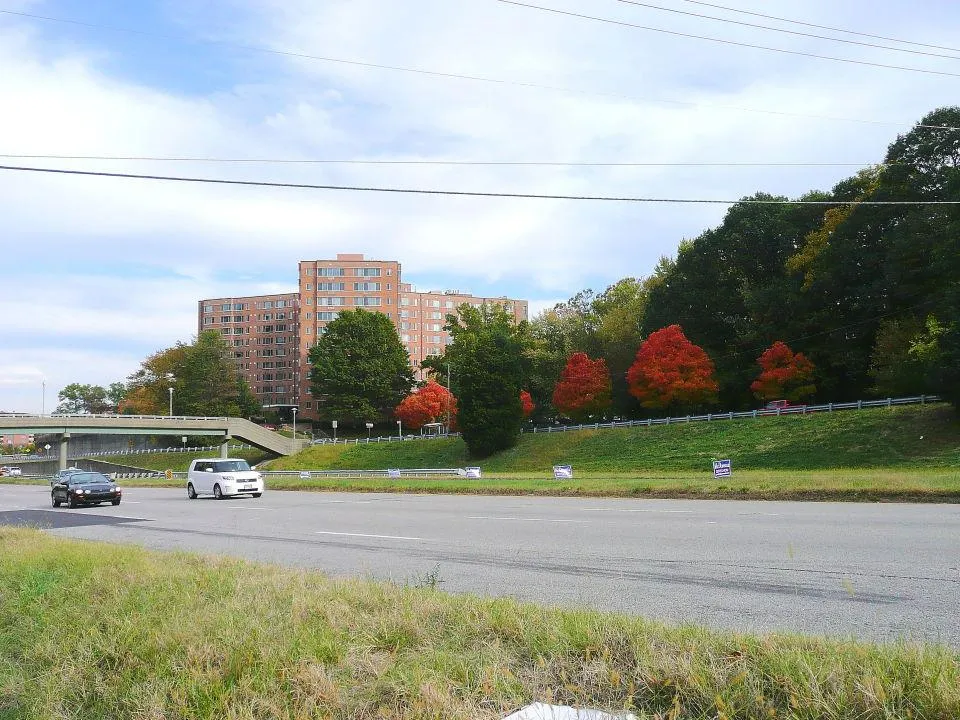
393, 473
472, 472
305, 475
562, 472
722, 468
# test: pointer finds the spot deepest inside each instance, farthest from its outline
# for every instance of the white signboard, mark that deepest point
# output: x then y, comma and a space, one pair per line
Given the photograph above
304, 474
472, 472
721, 468
394, 473
562, 472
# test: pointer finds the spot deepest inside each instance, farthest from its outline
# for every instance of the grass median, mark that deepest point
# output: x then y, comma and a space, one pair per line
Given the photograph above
90, 630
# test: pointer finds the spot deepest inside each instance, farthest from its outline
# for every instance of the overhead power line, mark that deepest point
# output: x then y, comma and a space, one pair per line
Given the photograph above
821, 27
474, 78
787, 32
481, 163
676, 33
466, 193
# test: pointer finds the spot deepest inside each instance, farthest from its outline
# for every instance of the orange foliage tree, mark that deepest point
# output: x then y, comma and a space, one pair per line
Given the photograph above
526, 403
783, 375
670, 371
584, 388
428, 404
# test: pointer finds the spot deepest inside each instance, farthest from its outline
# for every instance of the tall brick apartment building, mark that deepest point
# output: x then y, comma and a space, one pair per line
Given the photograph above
272, 334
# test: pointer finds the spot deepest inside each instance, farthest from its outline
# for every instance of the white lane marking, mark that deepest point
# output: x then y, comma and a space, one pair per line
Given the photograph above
383, 537
131, 502
245, 507
639, 510
530, 519
344, 502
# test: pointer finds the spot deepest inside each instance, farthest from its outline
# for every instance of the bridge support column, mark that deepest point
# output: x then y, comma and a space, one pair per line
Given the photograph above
223, 447
64, 443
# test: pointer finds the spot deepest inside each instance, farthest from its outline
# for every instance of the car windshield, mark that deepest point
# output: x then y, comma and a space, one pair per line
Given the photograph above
231, 466
87, 478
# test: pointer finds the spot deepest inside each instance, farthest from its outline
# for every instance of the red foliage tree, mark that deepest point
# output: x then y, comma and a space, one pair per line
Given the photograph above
584, 388
784, 375
670, 371
526, 403
428, 404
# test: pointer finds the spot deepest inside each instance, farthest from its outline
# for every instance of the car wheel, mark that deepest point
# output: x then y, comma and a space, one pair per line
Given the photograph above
257, 494
55, 500
191, 492
115, 502
72, 502
217, 492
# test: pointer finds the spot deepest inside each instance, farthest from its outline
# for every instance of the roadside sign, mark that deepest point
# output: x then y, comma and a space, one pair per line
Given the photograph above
562, 472
168, 474
393, 473
472, 472
305, 475
333, 424
721, 468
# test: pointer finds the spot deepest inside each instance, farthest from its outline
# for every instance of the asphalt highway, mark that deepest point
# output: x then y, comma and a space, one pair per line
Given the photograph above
880, 572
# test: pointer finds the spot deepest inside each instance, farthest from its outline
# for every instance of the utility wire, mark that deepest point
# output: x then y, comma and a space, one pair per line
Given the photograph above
788, 32
821, 27
675, 33
484, 163
469, 193
472, 78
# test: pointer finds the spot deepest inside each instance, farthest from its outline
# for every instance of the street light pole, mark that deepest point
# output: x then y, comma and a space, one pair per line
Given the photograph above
400, 428
171, 401
449, 395
295, 423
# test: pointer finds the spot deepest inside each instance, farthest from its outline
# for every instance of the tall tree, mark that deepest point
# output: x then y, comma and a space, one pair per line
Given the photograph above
670, 372
359, 369
430, 403
487, 356
203, 376
583, 390
78, 398
783, 375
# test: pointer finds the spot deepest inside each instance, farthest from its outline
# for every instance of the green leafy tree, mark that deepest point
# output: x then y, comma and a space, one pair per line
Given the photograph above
80, 398
487, 356
204, 378
359, 368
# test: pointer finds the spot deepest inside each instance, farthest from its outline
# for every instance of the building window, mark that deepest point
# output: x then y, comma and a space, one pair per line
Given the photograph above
335, 301
267, 329
281, 328
238, 331
434, 303
330, 272
226, 308
208, 308
309, 286
309, 301
207, 321
225, 319
366, 287
327, 315
330, 286
308, 272
366, 272
404, 301
367, 301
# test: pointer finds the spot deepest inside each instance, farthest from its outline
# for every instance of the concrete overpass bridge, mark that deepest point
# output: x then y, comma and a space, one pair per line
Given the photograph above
225, 428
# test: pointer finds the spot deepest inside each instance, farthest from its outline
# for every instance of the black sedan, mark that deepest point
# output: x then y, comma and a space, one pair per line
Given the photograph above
85, 488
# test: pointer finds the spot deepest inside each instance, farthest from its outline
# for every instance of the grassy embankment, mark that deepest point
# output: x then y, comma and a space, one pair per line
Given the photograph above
93, 630
907, 453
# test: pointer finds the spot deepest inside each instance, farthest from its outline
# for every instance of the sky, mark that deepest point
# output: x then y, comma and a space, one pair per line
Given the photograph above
98, 273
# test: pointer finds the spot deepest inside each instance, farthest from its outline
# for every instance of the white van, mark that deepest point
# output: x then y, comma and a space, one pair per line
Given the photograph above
221, 477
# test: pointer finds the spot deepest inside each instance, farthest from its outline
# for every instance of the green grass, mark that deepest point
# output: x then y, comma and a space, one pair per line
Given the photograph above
94, 631
179, 462
888, 438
